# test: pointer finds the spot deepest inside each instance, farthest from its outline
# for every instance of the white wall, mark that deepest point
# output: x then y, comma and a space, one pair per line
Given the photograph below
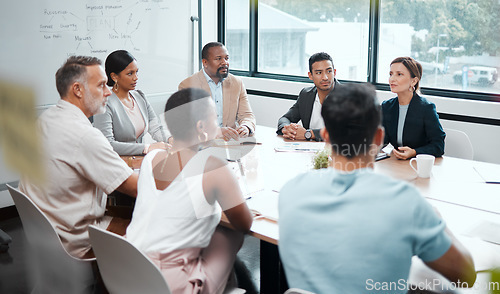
209, 21
485, 138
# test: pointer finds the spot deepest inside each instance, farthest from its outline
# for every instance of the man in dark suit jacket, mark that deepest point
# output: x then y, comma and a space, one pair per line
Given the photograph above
308, 106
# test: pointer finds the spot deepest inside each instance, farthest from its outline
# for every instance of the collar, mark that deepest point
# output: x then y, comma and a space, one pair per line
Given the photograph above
70, 107
316, 99
209, 79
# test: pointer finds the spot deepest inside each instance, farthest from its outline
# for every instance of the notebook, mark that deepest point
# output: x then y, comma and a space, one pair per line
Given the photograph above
300, 147
490, 174
265, 204
381, 155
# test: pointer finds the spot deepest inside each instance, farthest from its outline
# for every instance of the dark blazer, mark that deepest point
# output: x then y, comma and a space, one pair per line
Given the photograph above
301, 110
422, 130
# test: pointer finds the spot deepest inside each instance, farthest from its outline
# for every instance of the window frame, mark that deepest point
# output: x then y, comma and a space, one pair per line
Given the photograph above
373, 29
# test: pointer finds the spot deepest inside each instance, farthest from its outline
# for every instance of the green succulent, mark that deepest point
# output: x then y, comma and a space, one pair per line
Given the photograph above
321, 159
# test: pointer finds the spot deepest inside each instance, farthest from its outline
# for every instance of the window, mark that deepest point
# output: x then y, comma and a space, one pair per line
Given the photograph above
237, 34
291, 31
456, 41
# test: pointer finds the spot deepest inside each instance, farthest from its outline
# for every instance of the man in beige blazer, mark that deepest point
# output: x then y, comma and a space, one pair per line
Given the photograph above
234, 115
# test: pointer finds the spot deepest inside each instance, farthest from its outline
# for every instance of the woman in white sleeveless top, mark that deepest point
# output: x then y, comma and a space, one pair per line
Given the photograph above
181, 195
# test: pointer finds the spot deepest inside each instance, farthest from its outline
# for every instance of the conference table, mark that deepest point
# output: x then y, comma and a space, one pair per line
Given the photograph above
456, 188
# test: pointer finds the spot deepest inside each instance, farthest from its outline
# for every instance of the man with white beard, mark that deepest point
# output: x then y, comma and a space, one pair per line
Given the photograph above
79, 163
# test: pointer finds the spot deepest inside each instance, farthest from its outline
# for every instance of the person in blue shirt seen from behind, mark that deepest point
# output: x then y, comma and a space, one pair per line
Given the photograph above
346, 229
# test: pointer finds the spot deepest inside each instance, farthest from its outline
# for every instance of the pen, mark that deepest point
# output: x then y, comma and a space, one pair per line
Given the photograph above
241, 167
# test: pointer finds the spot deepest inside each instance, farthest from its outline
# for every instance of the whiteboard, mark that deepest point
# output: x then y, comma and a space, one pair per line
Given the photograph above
37, 36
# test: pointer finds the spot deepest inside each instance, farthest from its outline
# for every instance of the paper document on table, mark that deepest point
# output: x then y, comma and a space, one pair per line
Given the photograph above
265, 204
384, 152
487, 231
300, 147
489, 173
484, 254
387, 149
232, 142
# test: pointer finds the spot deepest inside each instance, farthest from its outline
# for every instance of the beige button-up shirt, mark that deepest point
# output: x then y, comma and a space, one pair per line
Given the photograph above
80, 165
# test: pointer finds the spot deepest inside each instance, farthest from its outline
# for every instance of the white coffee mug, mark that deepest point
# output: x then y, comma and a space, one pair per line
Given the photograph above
424, 165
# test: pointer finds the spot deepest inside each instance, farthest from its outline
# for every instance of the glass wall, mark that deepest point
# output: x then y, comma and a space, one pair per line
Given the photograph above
456, 41
290, 31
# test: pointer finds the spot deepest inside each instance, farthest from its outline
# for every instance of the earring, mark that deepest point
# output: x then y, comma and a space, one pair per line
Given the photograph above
205, 135
115, 86
411, 88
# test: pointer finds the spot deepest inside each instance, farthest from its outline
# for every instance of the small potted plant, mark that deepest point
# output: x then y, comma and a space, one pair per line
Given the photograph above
322, 158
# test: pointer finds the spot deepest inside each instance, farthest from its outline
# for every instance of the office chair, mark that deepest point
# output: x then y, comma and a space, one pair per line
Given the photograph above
125, 269
458, 144
54, 269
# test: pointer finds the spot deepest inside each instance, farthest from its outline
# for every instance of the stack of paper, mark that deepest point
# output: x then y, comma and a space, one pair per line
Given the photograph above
489, 173
265, 204
300, 147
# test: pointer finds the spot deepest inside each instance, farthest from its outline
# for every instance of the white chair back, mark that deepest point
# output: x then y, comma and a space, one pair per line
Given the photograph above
53, 269
458, 144
123, 267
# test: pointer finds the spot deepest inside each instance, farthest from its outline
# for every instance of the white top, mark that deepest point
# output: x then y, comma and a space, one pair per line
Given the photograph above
403, 109
216, 91
80, 165
136, 117
316, 118
175, 218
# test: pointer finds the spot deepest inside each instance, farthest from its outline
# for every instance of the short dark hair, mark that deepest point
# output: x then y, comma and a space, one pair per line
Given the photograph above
116, 62
181, 115
74, 69
320, 56
351, 115
204, 51
413, 66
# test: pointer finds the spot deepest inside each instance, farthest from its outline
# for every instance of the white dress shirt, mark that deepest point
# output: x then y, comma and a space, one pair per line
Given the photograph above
316, 119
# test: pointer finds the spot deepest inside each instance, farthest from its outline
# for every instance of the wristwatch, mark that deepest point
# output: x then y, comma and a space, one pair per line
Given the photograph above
308, 135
